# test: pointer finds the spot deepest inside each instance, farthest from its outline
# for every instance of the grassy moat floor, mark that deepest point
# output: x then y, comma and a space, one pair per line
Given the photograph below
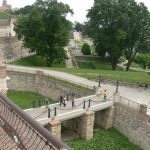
24, 99
104, 139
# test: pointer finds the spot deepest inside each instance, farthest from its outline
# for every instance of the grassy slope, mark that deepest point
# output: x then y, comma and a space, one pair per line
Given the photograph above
24, 99
35, 61
103, 139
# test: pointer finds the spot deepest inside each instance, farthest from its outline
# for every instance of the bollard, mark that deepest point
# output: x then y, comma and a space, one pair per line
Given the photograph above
84, 105
55, 112
89, 103
117, 86
67, 97
99, 81
49, 111
39, 102
33, 104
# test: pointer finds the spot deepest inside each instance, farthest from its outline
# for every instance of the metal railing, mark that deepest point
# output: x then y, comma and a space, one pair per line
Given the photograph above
129, 103
22, 132
102, 79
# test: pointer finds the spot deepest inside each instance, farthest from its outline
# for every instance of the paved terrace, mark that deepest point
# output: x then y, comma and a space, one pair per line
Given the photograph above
64, 113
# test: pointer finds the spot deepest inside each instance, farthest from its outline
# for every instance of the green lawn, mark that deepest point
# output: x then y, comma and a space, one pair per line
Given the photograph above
103, 139
95, 62
24, 99
36, 61
130, 76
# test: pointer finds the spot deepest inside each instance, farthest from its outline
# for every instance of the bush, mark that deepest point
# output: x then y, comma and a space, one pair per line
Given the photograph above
143, 60
86, 49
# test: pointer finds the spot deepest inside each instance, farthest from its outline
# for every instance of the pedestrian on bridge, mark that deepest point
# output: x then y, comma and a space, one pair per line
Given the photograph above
73, 101
105, 94
61, 99
64, 100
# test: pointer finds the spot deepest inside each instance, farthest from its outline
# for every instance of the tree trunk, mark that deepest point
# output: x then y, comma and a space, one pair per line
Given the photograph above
114, 65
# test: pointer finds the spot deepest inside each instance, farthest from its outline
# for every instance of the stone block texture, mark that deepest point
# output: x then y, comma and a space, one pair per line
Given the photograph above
133, 123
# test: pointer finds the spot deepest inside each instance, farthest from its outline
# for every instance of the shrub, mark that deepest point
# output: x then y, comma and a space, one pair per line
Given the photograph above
86, 49
143, 60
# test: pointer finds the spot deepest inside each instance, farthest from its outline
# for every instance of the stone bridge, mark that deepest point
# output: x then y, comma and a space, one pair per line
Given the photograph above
81, 117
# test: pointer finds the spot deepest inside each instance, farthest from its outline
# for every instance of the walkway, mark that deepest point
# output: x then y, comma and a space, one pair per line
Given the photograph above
134, 94
64, 113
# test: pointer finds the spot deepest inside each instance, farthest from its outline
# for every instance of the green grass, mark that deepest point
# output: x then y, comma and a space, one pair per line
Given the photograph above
96, 62
130, 76
36, 61
24, 99
4, 15
103, 139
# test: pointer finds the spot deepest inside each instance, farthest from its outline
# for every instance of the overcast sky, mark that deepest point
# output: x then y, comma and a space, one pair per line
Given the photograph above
79, 6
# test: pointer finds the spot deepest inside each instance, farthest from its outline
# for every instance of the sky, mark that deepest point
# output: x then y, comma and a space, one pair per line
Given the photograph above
79, 7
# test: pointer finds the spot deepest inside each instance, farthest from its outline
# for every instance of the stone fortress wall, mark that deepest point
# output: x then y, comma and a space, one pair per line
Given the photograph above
11, 47
133, 123
44, 85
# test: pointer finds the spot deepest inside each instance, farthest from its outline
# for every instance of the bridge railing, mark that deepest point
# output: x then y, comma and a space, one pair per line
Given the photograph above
82, 105
25, 132
129, 103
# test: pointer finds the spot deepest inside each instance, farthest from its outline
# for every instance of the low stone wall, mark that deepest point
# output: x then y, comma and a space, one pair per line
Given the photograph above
46, 86
133, 123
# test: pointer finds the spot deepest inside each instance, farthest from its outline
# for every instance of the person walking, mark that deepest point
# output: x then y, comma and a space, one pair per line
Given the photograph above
73, 101
105, 94
61, 99
64, 100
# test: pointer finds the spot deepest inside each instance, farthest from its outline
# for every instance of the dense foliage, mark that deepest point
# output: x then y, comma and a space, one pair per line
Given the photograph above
86, 50
45, 29
117, 26
143, 60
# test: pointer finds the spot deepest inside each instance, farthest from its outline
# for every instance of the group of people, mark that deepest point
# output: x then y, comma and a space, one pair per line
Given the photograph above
101, 93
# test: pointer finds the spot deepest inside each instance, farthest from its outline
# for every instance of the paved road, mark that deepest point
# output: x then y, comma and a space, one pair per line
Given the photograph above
65, 113
134, 94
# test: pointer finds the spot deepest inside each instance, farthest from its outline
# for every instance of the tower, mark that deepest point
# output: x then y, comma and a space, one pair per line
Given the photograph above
4, 3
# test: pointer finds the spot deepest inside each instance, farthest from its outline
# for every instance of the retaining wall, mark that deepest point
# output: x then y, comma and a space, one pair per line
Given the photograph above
133, 123
44, 85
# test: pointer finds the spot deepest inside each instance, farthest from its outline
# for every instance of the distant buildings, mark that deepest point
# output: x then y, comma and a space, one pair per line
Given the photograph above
6, 22
5, 6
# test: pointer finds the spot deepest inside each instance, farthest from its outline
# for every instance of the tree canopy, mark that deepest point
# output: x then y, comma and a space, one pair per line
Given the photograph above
45, 29
117, 26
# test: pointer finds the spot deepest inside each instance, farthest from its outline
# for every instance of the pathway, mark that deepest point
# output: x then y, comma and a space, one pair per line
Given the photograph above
134, 94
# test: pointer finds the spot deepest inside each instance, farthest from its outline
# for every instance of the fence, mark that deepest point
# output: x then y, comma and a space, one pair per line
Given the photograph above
19, 131
103, 79
129, 103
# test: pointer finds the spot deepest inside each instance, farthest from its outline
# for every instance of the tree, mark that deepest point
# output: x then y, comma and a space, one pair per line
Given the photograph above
137, 27
45, 29
117, 26
78, 27
86, 49
105, 27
